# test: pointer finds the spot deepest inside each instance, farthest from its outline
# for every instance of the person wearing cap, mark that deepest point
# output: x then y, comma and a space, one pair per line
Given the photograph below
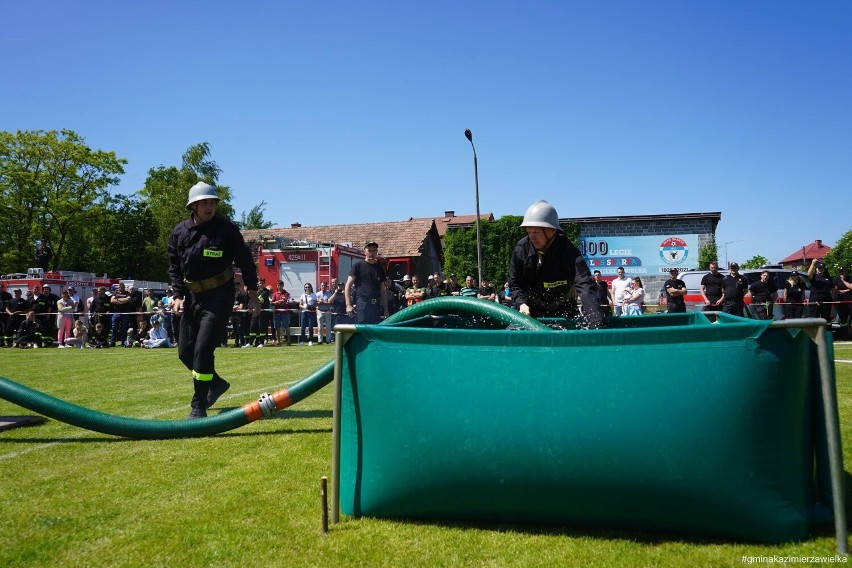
437, 287
763, 295
675, 290
453, 286
794, 296
734, 288
44, 305
547, 272
366, 295
201, 251
844, 295
822, 290
157, 337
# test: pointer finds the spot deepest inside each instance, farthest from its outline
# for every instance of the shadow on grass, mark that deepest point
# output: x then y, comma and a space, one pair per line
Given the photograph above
582, 532
284, 414
819, 529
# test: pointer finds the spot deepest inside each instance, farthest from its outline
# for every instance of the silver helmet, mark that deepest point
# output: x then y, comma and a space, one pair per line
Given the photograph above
201, 191
541, 214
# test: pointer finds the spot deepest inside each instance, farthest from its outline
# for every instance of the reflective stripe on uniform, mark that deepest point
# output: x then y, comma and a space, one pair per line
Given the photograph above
202, 376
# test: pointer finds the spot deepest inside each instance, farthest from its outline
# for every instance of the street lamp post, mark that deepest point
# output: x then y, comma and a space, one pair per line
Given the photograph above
727, 266
469, 135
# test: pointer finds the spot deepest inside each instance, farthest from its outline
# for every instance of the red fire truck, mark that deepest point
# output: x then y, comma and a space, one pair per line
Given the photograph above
82, 282
299, 262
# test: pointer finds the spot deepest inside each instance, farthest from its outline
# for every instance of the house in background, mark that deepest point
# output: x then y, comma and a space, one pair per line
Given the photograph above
452, 221
801, 259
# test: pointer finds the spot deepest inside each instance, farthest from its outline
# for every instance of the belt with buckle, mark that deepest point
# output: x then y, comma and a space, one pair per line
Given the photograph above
209, 283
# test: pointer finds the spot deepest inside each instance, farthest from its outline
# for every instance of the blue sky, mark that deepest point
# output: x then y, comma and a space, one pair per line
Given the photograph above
353, 112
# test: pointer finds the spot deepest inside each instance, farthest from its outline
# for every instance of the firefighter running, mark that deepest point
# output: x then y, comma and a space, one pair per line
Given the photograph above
201, 252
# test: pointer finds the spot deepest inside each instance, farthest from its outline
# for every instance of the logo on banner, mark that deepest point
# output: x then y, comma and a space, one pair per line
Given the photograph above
673, 250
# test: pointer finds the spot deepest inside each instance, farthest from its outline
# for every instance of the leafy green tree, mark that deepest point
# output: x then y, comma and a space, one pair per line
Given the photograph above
51, 185
755, 262
165, 193
122, 240
841, 253
707, 254
254, 218
498, 239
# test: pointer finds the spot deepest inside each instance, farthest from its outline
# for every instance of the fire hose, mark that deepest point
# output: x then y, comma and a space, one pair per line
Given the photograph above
489, 313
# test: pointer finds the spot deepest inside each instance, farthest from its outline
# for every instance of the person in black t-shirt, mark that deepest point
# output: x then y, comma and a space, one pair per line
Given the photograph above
794, 296
734, 288
675, 290
822, 290
602, 293
370, 295
711, 288
763, 295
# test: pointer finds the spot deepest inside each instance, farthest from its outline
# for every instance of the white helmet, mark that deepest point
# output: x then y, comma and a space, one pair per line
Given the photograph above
541, 214
201, 191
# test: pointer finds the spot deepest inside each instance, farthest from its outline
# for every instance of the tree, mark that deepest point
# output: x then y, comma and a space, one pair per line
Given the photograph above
51, 184
755, 262
122, 240
706, 254
840, 254
165, 193
254, 218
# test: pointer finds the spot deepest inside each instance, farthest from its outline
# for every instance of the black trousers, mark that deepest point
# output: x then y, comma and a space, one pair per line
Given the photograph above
205, 317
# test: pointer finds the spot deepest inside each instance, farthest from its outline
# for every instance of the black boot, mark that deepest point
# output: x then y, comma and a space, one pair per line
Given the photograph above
218, 386
199, 399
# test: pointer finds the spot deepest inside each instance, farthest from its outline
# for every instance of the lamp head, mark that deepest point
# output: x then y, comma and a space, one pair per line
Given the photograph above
469, 135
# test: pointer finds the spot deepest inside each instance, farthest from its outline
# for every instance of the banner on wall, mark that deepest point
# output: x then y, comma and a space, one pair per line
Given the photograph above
641, 255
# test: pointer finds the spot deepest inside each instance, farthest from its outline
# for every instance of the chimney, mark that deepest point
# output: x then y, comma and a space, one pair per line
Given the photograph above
449, 213
295, 225
819, 243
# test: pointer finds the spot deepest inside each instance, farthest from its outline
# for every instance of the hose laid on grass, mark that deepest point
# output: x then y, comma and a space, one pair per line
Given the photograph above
64, 411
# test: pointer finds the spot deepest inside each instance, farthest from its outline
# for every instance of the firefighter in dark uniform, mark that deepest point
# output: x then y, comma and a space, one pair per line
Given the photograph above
365, 292
734, 288
822, 291
201, 251
547, 271
764, 293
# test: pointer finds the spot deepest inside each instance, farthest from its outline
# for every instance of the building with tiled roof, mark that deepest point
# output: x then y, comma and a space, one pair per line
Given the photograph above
416, 240
802, 258
452, 221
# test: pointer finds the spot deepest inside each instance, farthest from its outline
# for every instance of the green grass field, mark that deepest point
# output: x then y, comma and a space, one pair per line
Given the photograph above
251, 497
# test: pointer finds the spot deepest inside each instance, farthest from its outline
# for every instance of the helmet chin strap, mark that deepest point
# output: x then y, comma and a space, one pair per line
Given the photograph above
549, 240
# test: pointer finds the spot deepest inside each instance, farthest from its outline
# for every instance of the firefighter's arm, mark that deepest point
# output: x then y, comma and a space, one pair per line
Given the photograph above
385, 301
348, 295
